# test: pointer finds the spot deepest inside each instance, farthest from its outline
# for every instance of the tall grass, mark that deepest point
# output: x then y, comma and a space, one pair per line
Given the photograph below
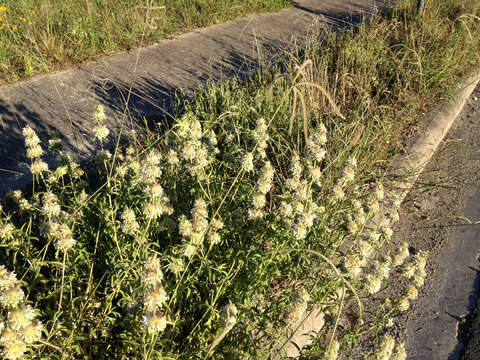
41, 36
215, 237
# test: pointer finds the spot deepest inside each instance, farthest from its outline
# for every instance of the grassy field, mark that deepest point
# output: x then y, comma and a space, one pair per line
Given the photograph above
42, 36
210, 238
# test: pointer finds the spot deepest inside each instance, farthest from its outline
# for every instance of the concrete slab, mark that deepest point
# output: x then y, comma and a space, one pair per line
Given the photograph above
65, 101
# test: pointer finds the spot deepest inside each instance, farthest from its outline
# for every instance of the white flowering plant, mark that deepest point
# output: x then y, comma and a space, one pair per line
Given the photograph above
144, 260
215, 236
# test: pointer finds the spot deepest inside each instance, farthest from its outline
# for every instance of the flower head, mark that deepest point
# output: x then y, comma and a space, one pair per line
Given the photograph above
155, 322
99, 114
32, 332
403, 303
247, 162
21, 317
332, 351
6, 231
155, 297
38, 167
399, 352
374, 283
129, 224
152, 273
12, 296
100, 132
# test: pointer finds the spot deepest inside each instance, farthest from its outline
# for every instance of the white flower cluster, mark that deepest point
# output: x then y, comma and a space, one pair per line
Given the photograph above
401, 254
380, 271
155, 318
149, 170
195, 231
353, 263
100, 131
261, 138
51, 207
56, 225
6, 230
369, 240
387, 350
129, 222
332, 351
264, 184
348, 176
317, 142
17, 197
212, 142
247, 162
176, 265
414, 271
21, 328
132, 163
158, 204
189, 146
298, 209
34, 151
298, 308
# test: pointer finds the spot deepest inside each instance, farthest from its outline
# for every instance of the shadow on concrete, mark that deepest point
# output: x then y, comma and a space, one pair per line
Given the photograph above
14, 164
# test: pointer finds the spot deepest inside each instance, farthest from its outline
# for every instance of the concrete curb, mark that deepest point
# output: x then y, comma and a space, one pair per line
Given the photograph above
432, 131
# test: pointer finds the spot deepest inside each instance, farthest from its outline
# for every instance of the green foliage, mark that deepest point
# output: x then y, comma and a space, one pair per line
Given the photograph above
41, 36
